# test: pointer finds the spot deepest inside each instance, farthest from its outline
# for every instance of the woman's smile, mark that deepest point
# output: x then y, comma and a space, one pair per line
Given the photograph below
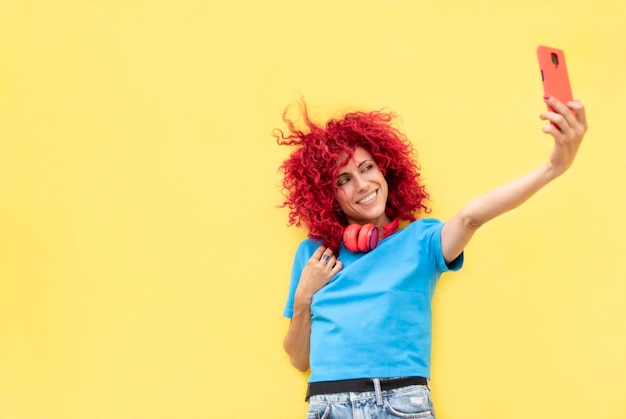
367, 199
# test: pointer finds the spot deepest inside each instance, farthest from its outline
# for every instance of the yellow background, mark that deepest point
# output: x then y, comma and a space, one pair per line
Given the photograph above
144, 263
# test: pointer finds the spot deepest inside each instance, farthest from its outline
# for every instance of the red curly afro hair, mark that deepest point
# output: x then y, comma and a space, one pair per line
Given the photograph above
310, 171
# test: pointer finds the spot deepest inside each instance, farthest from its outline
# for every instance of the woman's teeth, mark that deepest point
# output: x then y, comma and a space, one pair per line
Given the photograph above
368, 198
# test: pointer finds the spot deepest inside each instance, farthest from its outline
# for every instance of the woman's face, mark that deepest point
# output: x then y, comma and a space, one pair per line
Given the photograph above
362, 190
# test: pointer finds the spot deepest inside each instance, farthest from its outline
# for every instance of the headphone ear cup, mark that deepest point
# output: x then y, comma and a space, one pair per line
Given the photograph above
350, 237
368, 237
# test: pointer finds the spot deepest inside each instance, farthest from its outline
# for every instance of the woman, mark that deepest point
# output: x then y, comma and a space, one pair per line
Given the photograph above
361, 288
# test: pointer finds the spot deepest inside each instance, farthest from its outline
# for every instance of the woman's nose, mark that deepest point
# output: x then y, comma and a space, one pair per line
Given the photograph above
360, 182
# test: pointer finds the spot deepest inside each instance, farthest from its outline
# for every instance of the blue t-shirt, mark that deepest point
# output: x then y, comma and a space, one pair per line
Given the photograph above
373, 319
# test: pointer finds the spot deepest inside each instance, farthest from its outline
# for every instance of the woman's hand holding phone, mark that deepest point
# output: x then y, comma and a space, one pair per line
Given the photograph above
568, 122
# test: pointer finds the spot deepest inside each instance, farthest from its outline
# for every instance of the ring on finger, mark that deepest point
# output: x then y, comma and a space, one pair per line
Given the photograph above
325, 257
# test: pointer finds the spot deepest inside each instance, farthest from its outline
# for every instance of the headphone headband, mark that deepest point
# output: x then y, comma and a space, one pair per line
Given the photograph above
391, 228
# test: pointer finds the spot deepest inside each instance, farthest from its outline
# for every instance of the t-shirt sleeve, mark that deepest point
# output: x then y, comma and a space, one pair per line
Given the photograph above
303, 253
432, 229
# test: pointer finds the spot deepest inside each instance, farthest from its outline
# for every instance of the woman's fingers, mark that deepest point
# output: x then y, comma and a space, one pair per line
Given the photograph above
325, 262
330, 263
581, 114
567, 122
560, 117
560, 109
318, 253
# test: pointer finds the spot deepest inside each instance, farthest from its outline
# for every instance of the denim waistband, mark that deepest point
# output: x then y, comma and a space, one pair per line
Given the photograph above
362, 385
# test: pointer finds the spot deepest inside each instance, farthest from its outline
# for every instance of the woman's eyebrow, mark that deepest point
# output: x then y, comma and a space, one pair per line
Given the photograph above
358, 165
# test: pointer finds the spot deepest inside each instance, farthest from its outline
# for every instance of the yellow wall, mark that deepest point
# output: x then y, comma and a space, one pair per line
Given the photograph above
144, 264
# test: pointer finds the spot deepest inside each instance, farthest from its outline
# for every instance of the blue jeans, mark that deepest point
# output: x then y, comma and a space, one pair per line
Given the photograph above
404, 402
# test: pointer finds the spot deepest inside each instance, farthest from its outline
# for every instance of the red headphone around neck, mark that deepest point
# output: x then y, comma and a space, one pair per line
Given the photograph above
363, 238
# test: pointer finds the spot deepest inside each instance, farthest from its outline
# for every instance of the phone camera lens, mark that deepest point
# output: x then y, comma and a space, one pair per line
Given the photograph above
555, 59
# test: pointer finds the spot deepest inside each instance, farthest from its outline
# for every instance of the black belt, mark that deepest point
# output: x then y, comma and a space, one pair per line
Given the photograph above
360, 385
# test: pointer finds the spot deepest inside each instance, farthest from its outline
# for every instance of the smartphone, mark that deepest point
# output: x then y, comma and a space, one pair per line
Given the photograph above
554, 74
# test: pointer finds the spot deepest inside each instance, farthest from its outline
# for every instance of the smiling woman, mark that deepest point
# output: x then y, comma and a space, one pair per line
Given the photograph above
319, 170
360, 308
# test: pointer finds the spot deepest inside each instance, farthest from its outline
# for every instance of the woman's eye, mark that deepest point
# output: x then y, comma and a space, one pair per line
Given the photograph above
367, 167
342, 181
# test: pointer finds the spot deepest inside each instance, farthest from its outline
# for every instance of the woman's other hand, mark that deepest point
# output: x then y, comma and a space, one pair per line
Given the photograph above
318, 271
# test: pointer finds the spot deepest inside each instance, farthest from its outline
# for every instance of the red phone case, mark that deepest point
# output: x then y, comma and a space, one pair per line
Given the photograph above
554, 74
